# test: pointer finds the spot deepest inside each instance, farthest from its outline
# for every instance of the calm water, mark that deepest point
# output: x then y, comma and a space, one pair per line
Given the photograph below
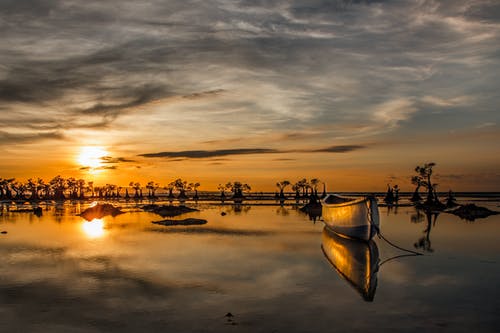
263, 264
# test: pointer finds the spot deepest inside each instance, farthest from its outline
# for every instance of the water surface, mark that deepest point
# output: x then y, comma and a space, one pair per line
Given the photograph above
263, 264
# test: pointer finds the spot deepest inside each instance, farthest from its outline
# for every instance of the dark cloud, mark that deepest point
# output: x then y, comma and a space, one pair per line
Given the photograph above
485, 11
115, 160
339, 149
204, 94
248, 151
106, 167
11, 138
211, 153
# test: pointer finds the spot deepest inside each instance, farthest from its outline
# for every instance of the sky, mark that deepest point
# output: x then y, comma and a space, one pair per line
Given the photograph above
355, 93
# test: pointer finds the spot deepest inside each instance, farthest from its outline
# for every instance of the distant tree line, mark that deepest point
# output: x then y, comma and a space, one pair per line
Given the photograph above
60, 188
303, 188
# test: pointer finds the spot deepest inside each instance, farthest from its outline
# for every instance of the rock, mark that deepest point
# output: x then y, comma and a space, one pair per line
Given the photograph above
99, 211
223, 214
168, 211
188, 221
38, 211
470, 212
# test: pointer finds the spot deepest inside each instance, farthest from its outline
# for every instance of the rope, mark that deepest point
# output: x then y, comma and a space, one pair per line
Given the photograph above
397, 257
396, 246
388, 241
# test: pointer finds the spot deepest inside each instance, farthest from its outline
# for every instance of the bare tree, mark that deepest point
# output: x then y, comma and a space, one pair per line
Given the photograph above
282, 186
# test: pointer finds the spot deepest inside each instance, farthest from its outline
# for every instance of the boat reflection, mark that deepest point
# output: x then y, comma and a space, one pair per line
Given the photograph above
93, 229
356, 261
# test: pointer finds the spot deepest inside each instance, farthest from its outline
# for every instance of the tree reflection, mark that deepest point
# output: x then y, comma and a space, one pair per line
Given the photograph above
424, 242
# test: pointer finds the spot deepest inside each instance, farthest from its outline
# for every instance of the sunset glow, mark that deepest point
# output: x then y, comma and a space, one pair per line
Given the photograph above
354, 93
91, 156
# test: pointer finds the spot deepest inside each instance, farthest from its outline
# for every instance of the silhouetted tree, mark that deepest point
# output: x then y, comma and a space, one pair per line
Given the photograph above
221, 188
238, 188
19, 188
182, 187
416, 180
5, 185
451, 201
314, 187
32, 187
296, 188
137, 189
194, 186
152, 187
170, 187
71, 186
323, 195
58, 185
424, 176
90, 188
282, 186
118, 189
304, 185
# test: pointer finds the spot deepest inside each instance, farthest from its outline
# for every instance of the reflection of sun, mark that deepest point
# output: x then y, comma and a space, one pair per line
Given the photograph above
94, 228
91, 156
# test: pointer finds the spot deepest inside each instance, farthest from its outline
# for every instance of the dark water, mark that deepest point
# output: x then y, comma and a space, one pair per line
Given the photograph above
263, 264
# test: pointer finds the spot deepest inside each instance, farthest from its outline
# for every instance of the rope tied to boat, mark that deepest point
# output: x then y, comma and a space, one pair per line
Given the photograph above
379, 233
396, 246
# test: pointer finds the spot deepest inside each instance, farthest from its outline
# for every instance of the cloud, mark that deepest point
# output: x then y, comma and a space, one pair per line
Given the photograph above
392, 112
195, 154
447, 102
115, 160
204, 94
211, 153
205, 71
7, 138
339, 149
105, 167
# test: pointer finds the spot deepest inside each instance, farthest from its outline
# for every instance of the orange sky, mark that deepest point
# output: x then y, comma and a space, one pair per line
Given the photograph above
356, 95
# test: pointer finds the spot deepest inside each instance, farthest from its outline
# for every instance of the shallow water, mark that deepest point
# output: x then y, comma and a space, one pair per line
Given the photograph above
263, 264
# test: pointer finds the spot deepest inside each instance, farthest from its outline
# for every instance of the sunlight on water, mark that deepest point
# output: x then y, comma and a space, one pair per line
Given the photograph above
272, 267
94, 229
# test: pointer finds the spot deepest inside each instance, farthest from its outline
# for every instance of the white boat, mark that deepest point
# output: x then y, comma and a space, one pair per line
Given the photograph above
356, 261
352, 217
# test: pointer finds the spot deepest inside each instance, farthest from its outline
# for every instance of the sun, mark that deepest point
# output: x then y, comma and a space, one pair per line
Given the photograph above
91, 157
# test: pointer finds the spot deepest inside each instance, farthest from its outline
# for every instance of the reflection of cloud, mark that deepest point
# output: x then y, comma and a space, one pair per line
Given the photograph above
216, 231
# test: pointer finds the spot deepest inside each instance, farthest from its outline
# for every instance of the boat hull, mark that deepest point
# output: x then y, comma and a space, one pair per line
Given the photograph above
354, 260
352, 217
